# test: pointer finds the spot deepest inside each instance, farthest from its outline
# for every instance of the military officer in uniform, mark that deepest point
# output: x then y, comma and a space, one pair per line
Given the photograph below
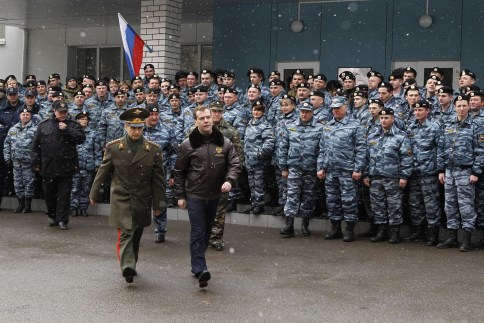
137, 186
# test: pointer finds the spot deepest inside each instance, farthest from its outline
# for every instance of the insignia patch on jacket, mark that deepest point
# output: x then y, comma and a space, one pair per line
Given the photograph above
372, 143
292, 129
481, 138
218, 152
450, 130
410, 152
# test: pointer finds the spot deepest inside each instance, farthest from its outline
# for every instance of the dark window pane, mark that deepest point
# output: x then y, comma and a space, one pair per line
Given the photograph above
86, 61
109, 62
189, 57
206, 57
448, 75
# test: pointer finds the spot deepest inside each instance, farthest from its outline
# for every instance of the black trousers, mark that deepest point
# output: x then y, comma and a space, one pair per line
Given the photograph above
57, 195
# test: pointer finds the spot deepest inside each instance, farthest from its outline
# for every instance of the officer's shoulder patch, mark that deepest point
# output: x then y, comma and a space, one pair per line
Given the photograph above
113, 142
292, 129
153, 144
481, 137
410, 152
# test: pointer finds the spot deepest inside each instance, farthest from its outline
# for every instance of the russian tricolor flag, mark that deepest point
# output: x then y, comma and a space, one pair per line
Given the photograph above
133, 46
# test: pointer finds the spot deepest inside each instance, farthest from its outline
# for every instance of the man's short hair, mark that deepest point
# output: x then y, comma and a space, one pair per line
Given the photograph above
200, 108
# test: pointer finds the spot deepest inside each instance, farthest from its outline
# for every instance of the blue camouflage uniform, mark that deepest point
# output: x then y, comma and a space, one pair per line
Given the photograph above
423, 185
110, 127
95, 108
460, 154
184, 123
342, 151
389, 159
362, 115
17, 146
237, 117
273, 109
442, 117
258, 147
89, 154
164, 137
298, 153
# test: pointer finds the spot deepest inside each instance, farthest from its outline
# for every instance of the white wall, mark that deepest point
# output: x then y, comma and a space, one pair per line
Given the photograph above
12, 53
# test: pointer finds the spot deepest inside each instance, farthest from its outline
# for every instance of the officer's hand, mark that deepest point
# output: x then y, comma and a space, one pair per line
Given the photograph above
473, 179
182, 204
403, 183
285, 174
36, 169
356, 176
62, 125
366, 181
171, 182
442, 178
92, 201
156, 213
321, 174
226, 187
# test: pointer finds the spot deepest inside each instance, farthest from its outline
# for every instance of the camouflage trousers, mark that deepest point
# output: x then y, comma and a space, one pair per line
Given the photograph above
363, 198
170, 193
281, 186
161, 221
459, 199
341, 196
23, 179
219, 222
423, 197
300, 193
257, 184
81, 186
479, 201
386, 200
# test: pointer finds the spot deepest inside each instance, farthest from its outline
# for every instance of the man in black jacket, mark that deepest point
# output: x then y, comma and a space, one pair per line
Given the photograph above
54, 155
207, 166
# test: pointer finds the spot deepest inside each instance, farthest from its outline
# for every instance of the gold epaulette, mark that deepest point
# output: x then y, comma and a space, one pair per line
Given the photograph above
121, 146
154, 144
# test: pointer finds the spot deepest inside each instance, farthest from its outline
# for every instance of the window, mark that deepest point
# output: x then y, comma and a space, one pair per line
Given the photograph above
423, 68
98, 61
196, 57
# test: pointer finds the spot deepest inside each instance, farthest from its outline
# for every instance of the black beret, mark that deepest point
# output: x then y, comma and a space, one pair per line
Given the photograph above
468, 72
446, 89
377, 101
149, 66
422, 104
375, 73
347, 75
386, 85
386, 111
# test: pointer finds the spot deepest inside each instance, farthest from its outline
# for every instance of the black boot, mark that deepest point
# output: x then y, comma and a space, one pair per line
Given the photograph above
279, 211
371, 232
305, 227
231, 206
258, 209
417, 234
83, 212
451, 240
479, 244
288, 230
248, 209
394, 234
28, 205
21, 205
432, 236
466, 241
335, 231
349, 233
381, 233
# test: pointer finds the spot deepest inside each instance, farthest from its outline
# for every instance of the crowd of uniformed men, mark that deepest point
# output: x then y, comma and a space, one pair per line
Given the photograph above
385, 150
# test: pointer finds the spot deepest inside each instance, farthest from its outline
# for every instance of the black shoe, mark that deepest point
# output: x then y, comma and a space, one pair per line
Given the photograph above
279, 211
394, 234
160, 238
466, 241
335, 232
171, 202
203, 278
451, 240
83, 212
219, 246
381, 233
52, 222
231, 206
74, 213
62, 225
371, 232
248, 209
305, 227
28, 205
288, 230
128, 274
349, 233
257, 210
432, 236
417, 234
21, 205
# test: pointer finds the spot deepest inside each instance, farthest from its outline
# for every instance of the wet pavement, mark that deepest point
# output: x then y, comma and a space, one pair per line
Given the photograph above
73, 276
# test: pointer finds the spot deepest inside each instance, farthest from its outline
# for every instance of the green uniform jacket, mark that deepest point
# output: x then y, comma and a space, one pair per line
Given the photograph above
137, 185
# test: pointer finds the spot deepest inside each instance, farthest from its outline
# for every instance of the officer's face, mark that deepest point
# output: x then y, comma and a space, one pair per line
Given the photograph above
297, 79
182, 81
165, 88
273, 77
191, 97
140, 97
306, 115
151, 98
191, 80
475, 103
72, 84
349, 84
216, 116
359, 101
61, 115
228, 81
373, 82
204, 122
430, 85
25, 117
87, 81
386, 121
408, 75
79, 100
255, 78
303, 93
230, 99
319, 84
83, 121
154, 84
153, 119
134, 133
120, 100
385, 95
413, 96
444, 99
275, 90
175, 104
287, 106
149, 72
206, 79
113, 87
374, 108
30, 100
257, 113
462, 108
316, 101
101, 91
41, 89
253, 94
137, 83
465, 80
421, 113
220, 80
54, 82
87, 92
340, 112
396, 83
200, 97
12, 97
